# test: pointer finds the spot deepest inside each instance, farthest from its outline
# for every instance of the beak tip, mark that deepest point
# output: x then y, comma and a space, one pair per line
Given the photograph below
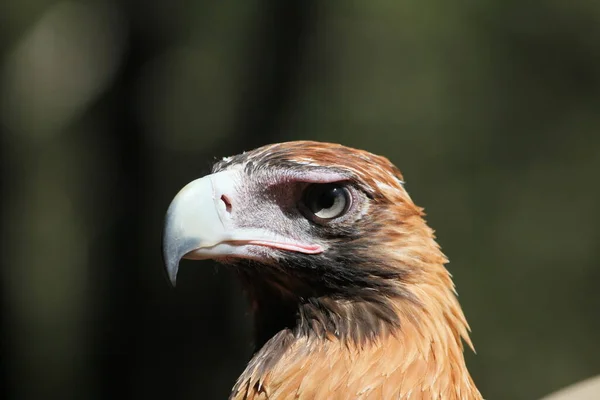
171, 259
173, 251
171, 262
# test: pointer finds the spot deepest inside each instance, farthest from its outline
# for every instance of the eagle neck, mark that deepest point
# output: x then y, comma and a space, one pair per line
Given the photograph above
422, 354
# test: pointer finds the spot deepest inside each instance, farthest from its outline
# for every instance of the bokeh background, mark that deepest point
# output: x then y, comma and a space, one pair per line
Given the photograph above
490, 108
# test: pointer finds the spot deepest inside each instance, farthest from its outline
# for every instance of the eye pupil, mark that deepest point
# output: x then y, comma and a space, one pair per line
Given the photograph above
325, 202
328, 197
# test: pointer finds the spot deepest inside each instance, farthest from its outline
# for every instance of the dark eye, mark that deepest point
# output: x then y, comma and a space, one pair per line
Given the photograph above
326, 201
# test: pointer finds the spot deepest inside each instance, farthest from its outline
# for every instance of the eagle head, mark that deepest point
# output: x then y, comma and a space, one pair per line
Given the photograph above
328, 244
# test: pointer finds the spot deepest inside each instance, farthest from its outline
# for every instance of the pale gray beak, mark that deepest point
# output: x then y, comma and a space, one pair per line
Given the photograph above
194, 221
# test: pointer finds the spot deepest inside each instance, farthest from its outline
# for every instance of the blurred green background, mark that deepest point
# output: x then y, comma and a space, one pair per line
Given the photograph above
491, 109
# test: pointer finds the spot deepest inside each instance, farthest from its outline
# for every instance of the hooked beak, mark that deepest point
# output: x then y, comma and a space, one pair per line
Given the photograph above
200, 224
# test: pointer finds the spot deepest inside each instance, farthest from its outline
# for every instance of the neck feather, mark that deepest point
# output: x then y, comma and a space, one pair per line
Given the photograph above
384, 347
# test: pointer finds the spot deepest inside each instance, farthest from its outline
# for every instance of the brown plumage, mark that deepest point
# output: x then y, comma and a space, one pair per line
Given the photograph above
356, 305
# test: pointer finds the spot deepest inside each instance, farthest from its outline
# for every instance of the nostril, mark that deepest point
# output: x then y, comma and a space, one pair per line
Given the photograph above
227, 203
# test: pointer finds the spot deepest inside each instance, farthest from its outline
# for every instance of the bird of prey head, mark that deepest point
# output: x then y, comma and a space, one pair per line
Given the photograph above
346, 283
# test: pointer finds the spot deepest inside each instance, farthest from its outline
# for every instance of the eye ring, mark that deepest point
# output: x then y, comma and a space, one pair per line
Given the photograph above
323, 202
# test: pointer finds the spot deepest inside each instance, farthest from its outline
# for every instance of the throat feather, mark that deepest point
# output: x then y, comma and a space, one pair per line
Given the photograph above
385, 347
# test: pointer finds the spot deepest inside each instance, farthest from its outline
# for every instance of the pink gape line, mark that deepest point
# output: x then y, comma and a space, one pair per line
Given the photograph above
300, 248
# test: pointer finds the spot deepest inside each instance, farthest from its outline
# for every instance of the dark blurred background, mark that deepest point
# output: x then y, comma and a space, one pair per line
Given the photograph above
490, 108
